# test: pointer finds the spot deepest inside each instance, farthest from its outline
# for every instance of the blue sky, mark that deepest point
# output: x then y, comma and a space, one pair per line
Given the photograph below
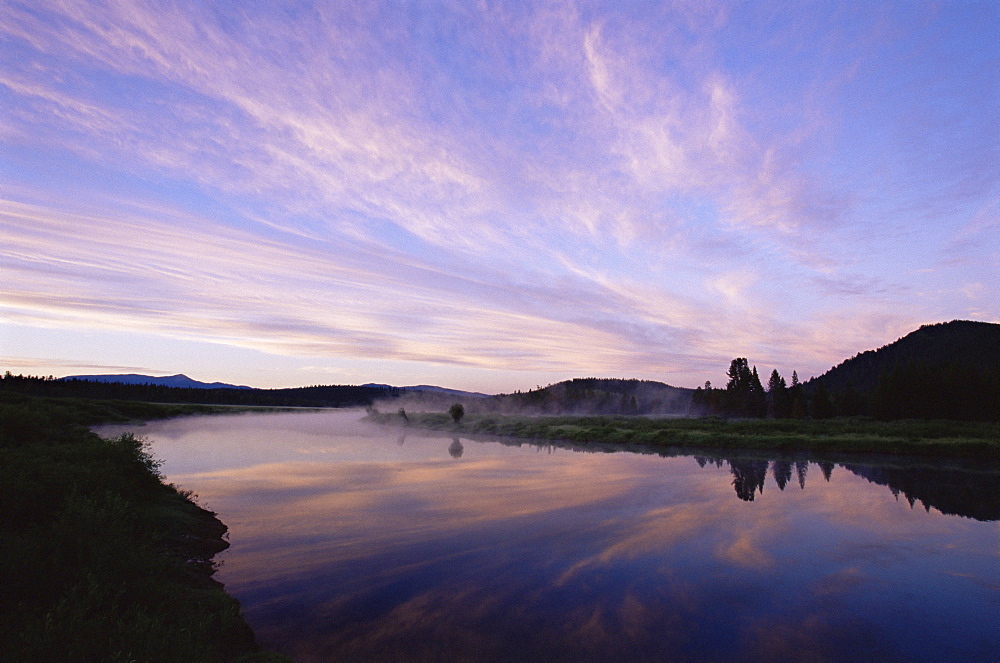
491, 196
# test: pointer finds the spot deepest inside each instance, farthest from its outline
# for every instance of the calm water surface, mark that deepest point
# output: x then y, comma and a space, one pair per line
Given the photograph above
352, 542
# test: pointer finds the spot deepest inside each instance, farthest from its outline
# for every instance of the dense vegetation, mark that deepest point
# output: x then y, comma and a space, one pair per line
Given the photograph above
946, 371
975, 440
975, 345
99, 559
591, 396
318, 396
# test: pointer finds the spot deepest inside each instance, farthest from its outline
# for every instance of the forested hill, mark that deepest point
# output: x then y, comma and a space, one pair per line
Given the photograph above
318, 396
949, 370
593, 396
960, 342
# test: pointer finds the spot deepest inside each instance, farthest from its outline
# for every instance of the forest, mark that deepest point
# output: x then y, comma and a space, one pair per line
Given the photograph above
315, 396
945, 371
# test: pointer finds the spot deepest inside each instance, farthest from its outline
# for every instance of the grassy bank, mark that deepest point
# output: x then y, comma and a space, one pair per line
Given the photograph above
100, 560
842, 435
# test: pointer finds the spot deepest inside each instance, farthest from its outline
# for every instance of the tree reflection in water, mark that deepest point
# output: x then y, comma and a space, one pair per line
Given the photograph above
782, 472
951, 491
801, 467
350, 546
748, 478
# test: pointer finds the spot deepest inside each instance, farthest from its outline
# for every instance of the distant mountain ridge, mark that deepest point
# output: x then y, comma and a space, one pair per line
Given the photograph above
948, 370
180, 380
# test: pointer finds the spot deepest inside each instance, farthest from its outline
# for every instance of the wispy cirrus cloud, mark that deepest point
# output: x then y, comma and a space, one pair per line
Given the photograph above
566, 187
168, 275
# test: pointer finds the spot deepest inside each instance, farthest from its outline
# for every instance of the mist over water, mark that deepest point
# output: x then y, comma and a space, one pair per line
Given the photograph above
580, 396
351, 542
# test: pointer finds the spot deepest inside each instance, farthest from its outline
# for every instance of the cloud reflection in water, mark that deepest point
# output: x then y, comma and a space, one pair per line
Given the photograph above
348, 545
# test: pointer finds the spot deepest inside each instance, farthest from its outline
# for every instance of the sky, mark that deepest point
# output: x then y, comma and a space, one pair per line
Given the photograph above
491, 196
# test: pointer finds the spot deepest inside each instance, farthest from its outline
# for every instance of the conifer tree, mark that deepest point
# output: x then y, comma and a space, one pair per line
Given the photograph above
796, 399
757, 406
777, 396
739, 387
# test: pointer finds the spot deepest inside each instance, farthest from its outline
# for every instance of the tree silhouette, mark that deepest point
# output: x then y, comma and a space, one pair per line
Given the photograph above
699, 402
757, 405
796, 398
778, 405
457, 411
739, 387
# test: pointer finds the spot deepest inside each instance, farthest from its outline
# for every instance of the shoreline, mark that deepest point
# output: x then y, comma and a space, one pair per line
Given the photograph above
100, 557
965, 442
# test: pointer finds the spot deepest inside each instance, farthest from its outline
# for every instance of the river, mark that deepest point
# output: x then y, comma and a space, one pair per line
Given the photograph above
355, 542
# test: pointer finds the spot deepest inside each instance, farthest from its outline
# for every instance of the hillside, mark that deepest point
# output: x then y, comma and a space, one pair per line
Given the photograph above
949, 370
943, 371
960, 342
593, 396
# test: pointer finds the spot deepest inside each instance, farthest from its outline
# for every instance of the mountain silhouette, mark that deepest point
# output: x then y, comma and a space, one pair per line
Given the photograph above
949, 370
974, 345
179, 380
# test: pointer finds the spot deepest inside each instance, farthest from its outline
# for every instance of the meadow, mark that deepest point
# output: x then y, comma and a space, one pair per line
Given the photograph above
969, 440
100, 559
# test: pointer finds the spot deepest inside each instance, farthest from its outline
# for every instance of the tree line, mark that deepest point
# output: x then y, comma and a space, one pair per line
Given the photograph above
745, 396
913, 390
315, 396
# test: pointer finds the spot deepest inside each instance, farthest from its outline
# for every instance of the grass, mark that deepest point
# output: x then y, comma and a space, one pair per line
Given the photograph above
100, 560
973, 440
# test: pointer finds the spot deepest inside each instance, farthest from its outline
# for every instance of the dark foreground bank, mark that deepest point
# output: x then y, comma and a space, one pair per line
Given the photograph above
979, 441
100, 560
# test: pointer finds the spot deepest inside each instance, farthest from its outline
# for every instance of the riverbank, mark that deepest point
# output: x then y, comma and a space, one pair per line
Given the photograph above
100, 559
972, 440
